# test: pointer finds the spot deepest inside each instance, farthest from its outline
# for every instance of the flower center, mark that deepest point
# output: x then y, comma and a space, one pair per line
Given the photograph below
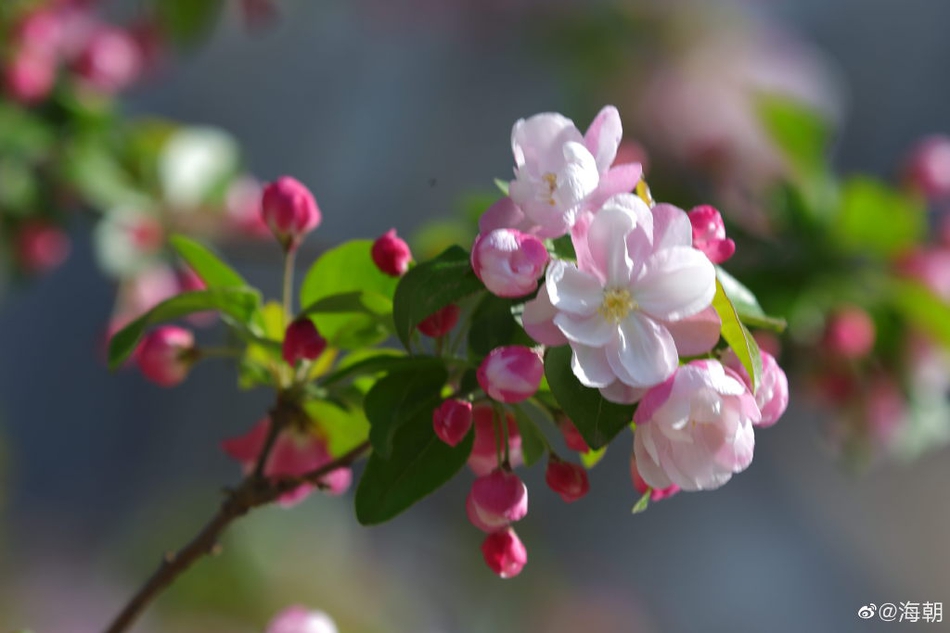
617, 304
551, 180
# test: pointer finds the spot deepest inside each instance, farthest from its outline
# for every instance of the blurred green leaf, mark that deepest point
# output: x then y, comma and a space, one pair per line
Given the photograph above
746, 305
401, 398
188, 21
431, 286
922, 308
239, 303
502, 186
597, 419
212, 270
23, 134
533, 443
19, 188
345, 428
351, 302
737, 336
494, 325
420, 464
592, 457
643, 503
349, 268
99, 177
799, 131
875, 219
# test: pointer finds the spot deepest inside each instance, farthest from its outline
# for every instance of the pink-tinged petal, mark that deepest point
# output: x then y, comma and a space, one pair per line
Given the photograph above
503, 214
534, 138
675, 283
671, 227
654, 398
538, 320
646, 351
590, 366
295, 496
697, 334
245, 448
618, 179
572, 290
603, 137
648, 461
606, 246
621, 393
594, 330
295, 454
585, 259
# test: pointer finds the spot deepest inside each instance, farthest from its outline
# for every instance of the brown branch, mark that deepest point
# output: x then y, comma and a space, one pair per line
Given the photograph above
253, 492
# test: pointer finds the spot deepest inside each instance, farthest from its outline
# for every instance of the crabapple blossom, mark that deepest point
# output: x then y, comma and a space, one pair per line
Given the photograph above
295, 452
496, 499
930, 266
709, 234
289, 209
695, 429
927, 168
849, 333
165, 355
567, 479
772, 394
41, 247
511, 374
636, 272
299, 619
110, 61
441, 322
656, 494
509, 262
302, 341
484, 456
391, 254
559, 172
28, 76
504, 553
452, 420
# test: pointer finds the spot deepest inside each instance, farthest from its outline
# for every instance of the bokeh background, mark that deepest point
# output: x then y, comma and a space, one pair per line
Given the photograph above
390, 112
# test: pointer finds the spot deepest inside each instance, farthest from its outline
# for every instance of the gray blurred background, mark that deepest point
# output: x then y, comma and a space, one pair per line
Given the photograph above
388, 121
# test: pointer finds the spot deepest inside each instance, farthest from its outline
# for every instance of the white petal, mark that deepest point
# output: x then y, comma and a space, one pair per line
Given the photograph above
646, 351
573, 290
533, 139
607, 244
590, 366
593, 330
603, 137
622, 394
671, 227
675, 283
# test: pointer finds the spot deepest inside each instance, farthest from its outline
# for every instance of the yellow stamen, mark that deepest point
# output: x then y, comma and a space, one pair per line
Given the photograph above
617, 304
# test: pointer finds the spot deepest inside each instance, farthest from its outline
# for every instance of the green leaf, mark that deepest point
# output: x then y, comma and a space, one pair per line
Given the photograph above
597, 419
874, 219
643, 503
214, 272
502, 185
400, 398
351, 302
346, 269
563, 247
188, 21
420, 464
385, 361
239, 303
799, 131
922, 308
431, 286
493, 324
746, 305
533, 443
737, 336
345, 428
592, 457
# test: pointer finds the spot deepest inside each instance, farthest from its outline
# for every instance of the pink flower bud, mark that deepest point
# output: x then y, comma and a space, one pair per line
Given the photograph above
511, 374
441, 322
41, 247
29, 76
302, 341
509, 262
290, 211
484, 456
391, 254
849, 333
709, 234
110, 61
496, 500
504, 553
165, 355
298, 619
567, 479
452, 421
657, 494
772, 394
927, 168
575, 441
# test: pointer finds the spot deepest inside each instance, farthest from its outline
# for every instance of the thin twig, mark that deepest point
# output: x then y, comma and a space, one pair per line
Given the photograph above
253, 492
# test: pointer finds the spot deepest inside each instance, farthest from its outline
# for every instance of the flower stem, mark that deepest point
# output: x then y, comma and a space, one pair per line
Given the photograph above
289, 258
